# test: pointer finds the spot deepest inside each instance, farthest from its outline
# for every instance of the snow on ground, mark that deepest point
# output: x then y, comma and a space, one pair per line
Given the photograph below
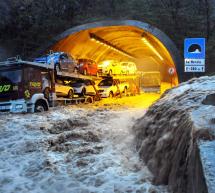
72, 150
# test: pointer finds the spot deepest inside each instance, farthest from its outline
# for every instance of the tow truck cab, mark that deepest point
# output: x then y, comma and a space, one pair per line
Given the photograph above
21, 89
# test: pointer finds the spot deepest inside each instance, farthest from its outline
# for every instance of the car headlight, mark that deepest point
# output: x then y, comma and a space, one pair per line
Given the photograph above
19, 106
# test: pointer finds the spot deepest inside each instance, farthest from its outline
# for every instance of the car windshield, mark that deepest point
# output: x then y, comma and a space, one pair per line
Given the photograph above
77, 83
107, 82
12, 76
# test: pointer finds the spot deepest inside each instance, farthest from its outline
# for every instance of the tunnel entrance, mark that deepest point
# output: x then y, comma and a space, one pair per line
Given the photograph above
149, 47
124, 40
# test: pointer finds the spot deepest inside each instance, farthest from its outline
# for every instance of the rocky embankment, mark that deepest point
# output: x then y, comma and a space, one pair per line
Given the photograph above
176, 137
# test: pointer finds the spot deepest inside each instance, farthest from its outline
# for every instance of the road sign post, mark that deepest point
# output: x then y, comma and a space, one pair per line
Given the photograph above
194, 55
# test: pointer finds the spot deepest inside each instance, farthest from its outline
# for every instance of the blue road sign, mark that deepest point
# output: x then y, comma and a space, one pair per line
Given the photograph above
194, 55
194, 48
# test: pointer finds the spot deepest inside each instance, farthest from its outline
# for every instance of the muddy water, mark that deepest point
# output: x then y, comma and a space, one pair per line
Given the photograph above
72, 150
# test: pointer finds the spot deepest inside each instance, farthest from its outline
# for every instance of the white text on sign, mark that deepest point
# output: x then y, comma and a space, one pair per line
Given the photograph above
194, 68
194, 62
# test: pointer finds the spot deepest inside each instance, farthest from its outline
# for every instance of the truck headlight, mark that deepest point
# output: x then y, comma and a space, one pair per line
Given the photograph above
19, 106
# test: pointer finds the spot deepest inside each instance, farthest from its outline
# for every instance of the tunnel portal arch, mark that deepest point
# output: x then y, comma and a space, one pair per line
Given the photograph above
145, 27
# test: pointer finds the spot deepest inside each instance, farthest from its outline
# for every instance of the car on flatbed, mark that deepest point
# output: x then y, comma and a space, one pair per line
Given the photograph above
110, 87
87, 67
128, 68
61, 60
109, 67
62, 89
83, 87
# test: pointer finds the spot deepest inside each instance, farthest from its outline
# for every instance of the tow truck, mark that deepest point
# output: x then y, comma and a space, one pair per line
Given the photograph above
21, 86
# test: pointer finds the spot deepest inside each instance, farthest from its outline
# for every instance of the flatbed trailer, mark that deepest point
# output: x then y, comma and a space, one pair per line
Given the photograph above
18, 61
27, 95
75, 100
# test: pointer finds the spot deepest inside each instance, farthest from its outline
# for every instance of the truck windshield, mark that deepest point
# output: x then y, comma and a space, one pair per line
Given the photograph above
12, 76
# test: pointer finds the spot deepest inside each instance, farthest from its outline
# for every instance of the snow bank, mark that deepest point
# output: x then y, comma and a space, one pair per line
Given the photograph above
176, 137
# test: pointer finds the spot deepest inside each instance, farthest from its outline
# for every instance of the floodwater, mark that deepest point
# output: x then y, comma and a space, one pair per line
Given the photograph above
72, 150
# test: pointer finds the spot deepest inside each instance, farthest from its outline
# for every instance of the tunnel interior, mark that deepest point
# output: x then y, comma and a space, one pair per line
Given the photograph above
122, 43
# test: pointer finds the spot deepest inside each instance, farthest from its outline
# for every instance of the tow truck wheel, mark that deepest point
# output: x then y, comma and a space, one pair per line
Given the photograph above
40, 107
70, 94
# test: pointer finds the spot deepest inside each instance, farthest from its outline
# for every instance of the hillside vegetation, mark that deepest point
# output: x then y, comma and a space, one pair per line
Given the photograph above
26, 25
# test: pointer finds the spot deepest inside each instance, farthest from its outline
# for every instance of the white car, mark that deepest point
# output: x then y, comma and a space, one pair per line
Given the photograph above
128, 67
109, 67
62, 89
111, 87
83, 87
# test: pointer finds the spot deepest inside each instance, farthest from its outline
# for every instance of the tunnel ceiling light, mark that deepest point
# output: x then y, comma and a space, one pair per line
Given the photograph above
151, 47
101, 41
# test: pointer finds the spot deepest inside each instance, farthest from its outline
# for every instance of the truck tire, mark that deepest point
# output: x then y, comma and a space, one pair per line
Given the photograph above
40, 106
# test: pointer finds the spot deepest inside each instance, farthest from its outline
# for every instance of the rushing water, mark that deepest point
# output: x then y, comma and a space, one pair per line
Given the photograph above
72, 150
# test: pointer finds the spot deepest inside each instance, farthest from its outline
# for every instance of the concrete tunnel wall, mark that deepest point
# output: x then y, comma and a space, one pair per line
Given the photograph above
72, 37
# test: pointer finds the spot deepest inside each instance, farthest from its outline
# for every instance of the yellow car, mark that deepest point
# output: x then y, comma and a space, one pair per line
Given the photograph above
109, 67
63, 90
128, 67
